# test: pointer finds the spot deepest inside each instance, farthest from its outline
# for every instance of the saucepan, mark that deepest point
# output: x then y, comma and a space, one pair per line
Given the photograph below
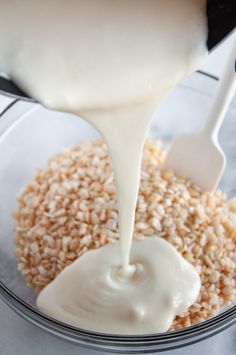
221, 17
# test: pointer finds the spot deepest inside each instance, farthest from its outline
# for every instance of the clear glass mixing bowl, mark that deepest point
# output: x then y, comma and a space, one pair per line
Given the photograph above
30, 134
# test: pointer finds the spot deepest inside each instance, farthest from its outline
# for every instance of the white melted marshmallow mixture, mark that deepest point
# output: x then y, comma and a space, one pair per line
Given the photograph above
111, 62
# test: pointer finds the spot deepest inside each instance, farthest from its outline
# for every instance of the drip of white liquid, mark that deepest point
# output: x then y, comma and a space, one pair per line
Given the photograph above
125, 135
110, 62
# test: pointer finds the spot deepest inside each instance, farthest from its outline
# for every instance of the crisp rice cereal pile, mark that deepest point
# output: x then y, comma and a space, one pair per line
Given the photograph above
70, 207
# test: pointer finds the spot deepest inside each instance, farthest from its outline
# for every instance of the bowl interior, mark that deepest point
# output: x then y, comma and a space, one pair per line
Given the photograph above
30, 134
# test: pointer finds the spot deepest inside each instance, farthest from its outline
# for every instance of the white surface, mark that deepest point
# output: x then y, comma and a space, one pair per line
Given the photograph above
19, 337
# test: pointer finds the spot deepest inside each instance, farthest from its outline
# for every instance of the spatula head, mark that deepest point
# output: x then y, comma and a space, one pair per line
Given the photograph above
197, 157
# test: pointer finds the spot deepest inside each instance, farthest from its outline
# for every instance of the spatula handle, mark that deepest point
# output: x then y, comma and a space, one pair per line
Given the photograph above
225, 92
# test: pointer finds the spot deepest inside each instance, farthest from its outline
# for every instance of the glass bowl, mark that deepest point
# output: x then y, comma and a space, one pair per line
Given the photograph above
30, 134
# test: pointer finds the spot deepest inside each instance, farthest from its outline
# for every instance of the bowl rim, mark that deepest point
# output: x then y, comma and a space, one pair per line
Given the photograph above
210, 326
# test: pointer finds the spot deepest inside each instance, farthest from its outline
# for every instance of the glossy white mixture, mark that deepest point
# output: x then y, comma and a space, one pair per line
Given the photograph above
110, 62
162, 286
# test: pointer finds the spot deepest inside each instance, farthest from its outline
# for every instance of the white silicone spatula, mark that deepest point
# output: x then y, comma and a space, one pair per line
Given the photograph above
198, 156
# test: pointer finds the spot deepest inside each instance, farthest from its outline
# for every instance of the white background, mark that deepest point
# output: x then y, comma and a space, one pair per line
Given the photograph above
19, 337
